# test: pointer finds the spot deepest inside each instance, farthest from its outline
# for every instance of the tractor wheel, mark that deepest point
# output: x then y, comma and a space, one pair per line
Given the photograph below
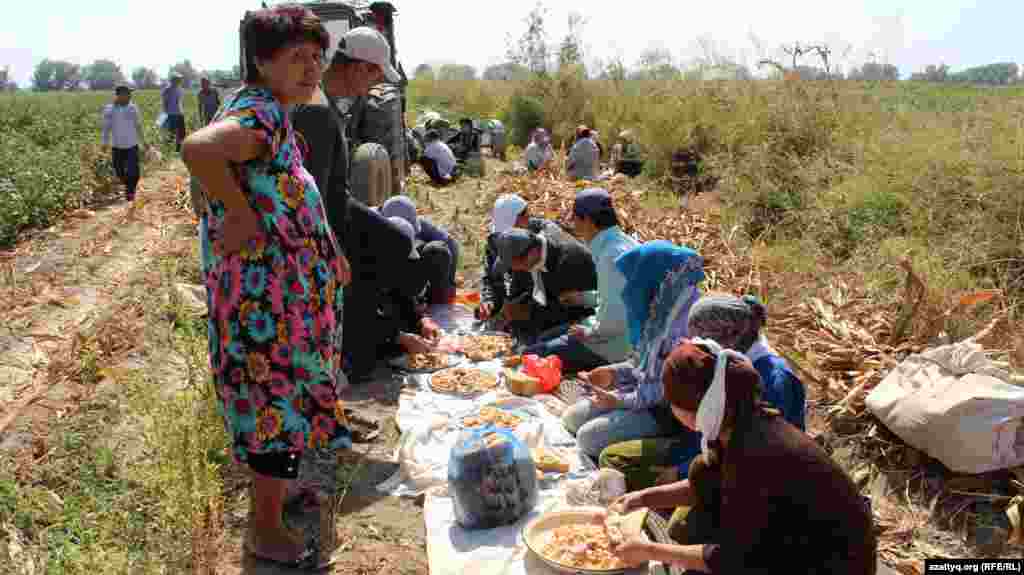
371, 174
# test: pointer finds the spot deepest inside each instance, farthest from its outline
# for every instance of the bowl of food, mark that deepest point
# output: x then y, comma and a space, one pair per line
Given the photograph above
577, 541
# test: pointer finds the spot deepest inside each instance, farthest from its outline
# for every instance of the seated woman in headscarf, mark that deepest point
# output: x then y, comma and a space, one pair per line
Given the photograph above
762, 496
626, 400
734, 323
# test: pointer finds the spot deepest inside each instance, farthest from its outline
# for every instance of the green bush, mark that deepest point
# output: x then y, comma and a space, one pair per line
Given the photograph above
524, 114
51, 159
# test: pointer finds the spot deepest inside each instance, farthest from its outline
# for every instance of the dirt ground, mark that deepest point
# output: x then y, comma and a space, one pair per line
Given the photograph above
84, 273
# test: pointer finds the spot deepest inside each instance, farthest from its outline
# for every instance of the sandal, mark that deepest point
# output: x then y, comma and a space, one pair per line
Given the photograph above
306, 561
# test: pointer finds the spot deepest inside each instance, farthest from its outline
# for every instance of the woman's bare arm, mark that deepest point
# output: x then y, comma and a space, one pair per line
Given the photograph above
689, 557
209, 151
677, 494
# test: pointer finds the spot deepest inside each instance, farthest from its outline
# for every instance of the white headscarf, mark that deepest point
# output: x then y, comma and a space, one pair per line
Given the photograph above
711, 411
506, 209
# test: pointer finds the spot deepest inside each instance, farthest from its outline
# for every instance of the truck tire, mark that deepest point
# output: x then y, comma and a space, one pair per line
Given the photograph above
371, 174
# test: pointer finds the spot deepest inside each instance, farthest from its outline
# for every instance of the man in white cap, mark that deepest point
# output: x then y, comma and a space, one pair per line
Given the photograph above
510, 211
376, 248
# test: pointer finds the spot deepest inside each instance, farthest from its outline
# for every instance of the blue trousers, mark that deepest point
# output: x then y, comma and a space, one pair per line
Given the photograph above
574, 355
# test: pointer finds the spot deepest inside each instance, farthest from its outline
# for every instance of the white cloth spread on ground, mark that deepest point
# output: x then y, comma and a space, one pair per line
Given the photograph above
429, 423
453, 550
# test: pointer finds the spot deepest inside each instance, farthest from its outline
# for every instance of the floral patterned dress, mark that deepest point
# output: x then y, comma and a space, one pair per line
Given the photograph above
275, 308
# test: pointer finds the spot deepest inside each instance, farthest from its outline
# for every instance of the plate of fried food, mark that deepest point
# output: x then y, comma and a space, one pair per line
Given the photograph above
486, 346
490, 415
462, 381
581, 540
425, 362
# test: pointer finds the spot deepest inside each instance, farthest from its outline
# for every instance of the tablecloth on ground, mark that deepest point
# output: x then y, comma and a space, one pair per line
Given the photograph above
452, 550
429, 425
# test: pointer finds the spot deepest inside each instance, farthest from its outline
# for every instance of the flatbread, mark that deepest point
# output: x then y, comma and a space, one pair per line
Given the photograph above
490, 415
428, 361
486, 347
463, 381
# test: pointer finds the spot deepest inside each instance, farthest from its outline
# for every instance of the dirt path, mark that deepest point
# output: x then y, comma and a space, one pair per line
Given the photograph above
58, 285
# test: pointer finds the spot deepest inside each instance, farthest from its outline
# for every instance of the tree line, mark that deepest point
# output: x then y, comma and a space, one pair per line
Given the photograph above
62, 75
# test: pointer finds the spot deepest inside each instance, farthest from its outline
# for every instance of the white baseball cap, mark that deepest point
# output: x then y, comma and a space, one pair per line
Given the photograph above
506, 209
369, 45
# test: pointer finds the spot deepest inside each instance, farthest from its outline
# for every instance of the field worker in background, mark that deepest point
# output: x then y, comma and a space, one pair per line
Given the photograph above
601, 339
583, 158
209, 101
171, 98
539, 151
438, 160
596, 137
467, 140
510, 211
557, 265
122, 133
438, 250
629, 161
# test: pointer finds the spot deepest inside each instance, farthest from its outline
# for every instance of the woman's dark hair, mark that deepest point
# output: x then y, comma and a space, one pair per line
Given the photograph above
271, 29
605, 218
687, 376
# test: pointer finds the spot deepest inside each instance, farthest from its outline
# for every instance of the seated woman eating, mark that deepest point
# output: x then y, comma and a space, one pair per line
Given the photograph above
627, 401
734, 323
764, 497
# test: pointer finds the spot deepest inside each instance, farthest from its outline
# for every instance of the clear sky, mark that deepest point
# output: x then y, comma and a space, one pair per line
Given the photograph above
907, 33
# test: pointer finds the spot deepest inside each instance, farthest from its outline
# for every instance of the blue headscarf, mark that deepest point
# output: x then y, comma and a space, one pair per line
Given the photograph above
646, 268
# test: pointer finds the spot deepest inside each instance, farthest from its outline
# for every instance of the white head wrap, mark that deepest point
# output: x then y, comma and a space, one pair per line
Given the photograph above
711, 411
506, 209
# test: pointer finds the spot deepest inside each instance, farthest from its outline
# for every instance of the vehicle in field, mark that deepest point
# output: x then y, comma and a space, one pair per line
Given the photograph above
378, 142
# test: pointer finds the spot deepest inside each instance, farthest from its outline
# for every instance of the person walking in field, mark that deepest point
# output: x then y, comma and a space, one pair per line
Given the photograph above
171, 97
209, 101
122, 133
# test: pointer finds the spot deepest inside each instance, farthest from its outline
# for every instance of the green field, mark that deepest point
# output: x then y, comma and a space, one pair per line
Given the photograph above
848, 175
51, 159
839, 176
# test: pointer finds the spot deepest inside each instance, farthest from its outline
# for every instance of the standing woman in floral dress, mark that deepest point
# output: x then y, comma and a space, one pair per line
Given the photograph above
274, 272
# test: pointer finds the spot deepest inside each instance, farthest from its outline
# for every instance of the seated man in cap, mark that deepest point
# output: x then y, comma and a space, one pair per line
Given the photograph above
466, 140
401, 325
510, 211
438, 160
557, 265
601, 339
438, 250
583, 159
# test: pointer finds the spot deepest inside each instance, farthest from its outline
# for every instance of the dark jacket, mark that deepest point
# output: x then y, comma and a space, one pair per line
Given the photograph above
326, 158
570, 267
806, 516
396, 313
494, 287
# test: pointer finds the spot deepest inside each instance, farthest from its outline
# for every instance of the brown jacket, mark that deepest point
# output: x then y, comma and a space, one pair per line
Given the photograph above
786, 507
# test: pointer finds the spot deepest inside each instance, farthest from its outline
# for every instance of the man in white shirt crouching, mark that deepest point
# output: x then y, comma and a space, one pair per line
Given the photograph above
438, 160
